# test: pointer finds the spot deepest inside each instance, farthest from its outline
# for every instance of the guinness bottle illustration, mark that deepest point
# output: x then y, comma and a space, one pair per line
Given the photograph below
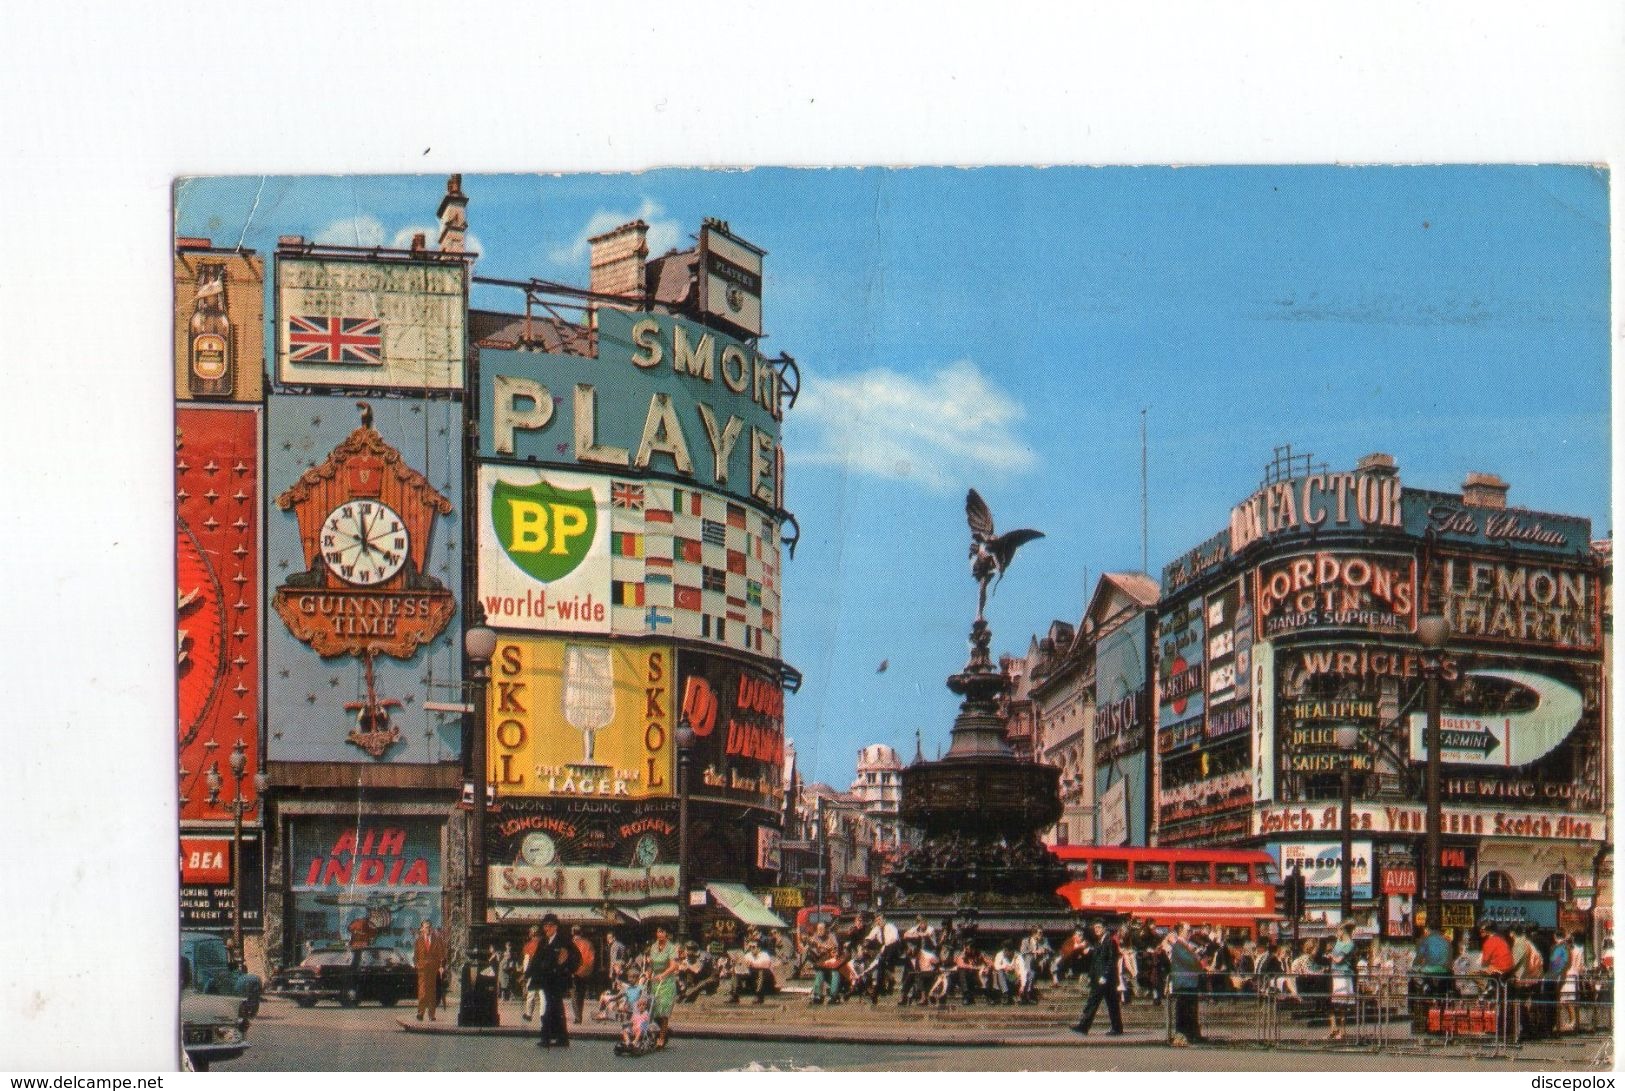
212, 374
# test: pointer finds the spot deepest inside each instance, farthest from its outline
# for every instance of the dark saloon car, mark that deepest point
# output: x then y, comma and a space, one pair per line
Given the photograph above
215, 973
379, 974
212, 1027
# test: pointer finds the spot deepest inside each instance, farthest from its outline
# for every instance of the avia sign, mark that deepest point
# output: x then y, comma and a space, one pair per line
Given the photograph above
1513, 739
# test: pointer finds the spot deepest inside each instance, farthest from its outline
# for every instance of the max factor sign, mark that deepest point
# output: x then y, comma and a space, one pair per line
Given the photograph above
1319, 502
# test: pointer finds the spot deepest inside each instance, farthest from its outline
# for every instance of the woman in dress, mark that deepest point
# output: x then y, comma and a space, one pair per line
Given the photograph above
1342, 971
663, 967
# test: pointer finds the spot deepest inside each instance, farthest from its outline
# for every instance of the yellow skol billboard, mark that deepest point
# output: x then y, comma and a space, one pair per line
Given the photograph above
580, 718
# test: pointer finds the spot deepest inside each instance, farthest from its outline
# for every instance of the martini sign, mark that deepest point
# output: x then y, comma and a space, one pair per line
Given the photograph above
1508, 740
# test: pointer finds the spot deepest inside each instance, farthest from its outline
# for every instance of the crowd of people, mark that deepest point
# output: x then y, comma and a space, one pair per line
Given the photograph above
1544, 978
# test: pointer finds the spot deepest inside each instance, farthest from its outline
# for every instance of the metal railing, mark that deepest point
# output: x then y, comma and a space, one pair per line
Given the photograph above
1473, 1014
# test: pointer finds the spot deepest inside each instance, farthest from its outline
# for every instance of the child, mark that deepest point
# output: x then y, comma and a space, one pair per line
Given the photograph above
637, 1037
618, 1001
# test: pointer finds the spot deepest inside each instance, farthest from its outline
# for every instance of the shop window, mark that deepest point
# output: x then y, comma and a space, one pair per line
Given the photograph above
1111, 871
1151, 871
1495, 882
1193, 871
1558, 884
1232, 874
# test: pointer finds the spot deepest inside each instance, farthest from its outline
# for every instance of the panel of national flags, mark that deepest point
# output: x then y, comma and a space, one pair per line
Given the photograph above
693, 564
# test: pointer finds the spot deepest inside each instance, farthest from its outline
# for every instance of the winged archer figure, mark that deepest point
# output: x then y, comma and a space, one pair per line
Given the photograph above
990, 551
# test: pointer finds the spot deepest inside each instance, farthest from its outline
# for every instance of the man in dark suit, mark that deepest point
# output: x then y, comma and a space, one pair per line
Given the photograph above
1102, 964
550, 972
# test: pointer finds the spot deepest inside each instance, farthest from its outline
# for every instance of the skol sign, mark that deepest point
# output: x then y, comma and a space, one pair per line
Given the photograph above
581, 719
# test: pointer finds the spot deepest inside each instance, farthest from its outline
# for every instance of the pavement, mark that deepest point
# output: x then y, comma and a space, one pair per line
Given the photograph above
789, 1017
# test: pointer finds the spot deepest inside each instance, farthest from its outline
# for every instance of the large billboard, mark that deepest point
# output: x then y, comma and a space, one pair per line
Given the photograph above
1529, 603
1181, 677
1120, 701
1446, 517
366, 323
1321, 865
581, 718
577, 553
208, 888
364, 568
219, 324
574, 831
1336, 590
663, 396
737, 714
1318, 503
217, 605
544, 541
1520, 730
363, 877
730, 279
1229, 659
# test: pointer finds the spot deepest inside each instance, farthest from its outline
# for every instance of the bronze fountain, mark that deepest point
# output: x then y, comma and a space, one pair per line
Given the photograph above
980, 808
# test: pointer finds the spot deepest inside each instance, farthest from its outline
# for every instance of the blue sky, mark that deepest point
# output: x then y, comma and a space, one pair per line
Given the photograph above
1004, 328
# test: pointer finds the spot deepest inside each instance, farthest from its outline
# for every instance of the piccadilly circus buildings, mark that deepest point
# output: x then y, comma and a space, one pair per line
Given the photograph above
367, 465
1300, 617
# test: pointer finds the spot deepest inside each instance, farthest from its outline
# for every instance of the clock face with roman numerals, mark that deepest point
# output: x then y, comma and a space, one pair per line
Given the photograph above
364, 542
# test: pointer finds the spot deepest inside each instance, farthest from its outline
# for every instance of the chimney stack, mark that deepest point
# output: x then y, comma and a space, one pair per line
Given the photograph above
453, 216
1484, 491
1378, 464
420, 243
618, 260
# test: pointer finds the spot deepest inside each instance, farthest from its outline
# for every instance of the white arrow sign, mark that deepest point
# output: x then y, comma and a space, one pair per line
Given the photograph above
1514, 739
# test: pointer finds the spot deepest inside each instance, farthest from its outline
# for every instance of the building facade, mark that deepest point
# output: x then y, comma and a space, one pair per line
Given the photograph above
1301, 617
597, 474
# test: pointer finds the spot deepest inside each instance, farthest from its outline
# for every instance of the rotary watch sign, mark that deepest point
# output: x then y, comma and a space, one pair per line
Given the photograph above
365, 519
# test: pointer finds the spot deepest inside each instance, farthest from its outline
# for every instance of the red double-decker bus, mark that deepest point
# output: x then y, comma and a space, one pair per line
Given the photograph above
1233, 890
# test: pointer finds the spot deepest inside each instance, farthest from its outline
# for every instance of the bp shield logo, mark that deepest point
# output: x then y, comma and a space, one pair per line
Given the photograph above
545, 530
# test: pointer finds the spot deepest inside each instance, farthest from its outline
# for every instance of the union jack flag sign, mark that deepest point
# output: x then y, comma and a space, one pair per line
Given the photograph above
319, 339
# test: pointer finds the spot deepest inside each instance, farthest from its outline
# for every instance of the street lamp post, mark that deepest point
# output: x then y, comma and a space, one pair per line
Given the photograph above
480, 644
238, 763
1348, 737
685, 743
1431, 631
820, 841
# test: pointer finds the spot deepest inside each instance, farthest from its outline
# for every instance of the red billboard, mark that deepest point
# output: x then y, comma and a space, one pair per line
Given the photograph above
217, 597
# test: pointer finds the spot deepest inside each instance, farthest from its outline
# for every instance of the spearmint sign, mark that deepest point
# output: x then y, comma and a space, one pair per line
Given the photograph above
544, 550
1511, 739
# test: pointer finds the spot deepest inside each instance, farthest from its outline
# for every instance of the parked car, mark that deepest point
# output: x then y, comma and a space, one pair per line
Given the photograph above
214, 973
212, 1027
380, 974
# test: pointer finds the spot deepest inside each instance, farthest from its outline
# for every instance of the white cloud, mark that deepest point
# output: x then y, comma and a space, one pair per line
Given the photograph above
938, 429
362, 230
663, 233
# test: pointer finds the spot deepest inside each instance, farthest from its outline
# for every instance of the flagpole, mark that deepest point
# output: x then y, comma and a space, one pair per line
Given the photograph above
1145, 537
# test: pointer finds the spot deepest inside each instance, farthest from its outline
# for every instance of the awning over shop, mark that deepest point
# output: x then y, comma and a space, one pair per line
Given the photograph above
744, 905
534, 911
660, 911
